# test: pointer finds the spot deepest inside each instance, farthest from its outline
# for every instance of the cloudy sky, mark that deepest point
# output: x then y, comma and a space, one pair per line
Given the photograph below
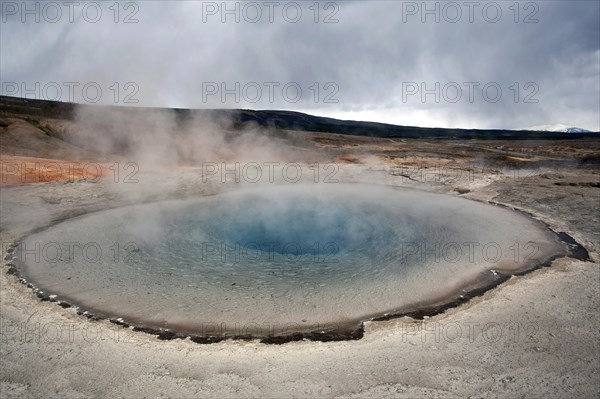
451, 64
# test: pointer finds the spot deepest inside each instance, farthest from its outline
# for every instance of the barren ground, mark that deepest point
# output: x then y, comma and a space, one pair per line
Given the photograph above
534, 336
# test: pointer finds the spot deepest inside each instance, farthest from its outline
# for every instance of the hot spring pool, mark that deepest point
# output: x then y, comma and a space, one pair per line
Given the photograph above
281, 260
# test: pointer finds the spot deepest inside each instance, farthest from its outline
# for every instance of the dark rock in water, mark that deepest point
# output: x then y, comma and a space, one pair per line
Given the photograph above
147, 330
167, 335
576, 250
206, 340
119, 322
578, 184
278, 340
11, 268
43, 297
87, 314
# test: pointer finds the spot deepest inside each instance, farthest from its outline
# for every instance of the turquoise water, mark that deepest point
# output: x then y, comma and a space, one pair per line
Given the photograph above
279, 259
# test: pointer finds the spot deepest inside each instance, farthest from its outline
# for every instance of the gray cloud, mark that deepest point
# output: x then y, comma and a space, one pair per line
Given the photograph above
370, 57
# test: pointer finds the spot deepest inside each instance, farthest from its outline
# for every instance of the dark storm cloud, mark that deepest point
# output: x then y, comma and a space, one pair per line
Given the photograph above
179, 53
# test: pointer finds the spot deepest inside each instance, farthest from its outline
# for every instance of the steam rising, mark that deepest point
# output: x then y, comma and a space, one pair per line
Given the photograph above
301, 255
156, 138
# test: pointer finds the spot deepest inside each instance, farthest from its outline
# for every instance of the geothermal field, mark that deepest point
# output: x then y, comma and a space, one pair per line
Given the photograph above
264, 261
300, 199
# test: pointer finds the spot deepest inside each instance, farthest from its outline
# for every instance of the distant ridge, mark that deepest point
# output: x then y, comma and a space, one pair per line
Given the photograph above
291, 120
560, 128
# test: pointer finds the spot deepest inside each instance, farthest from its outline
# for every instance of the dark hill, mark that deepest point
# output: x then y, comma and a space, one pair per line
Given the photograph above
289, 120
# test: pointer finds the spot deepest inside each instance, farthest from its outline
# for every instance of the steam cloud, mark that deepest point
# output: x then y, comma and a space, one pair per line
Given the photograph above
156, 138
